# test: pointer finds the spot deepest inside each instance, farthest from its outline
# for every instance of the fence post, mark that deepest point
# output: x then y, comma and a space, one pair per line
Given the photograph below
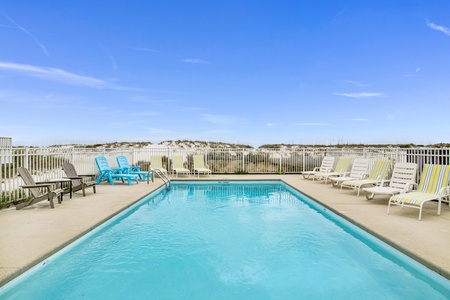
281, 160
25, 161
243, 160
303, 159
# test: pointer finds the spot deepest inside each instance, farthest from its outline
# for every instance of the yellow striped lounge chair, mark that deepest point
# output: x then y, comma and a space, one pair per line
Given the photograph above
341, 169
178, 166
200, 166
156, 163
402, 180
377, 175
326, 166
433, 185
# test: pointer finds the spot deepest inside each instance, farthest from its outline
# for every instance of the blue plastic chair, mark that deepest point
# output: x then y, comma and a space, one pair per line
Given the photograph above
108, 174
122, 161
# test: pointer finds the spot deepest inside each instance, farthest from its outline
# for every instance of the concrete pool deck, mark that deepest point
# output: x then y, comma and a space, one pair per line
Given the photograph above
30, 235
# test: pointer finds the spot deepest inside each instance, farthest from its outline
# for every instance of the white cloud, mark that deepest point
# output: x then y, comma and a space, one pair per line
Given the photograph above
440, 28
360, 95
60, 75
16, 25
355, 83
195, 61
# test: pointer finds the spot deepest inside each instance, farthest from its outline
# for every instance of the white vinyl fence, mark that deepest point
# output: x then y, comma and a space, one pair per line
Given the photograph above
46, 163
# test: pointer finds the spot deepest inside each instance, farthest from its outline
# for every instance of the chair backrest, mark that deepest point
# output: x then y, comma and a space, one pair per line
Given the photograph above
177, 162
199, 161
433, 178
28, 180
70, 171
380, 169
360, 168
156, 162
327, 164
403, 174
102, 164
343, 164
122, 162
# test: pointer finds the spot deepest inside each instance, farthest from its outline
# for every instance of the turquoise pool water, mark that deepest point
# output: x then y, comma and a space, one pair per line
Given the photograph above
237, 240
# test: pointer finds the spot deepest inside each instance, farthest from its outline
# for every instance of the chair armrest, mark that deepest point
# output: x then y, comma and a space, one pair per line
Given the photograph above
445, 191
409, 187
135, 168
316, 169
41, 185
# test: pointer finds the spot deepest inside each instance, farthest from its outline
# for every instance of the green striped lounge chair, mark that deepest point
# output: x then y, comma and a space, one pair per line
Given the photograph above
433, 185
326, 166
341, 169
377, 175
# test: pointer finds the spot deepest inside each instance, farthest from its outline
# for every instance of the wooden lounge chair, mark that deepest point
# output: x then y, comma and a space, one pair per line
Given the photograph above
36, 190
79, 182
402, 179
433, 185
377, 175
200, 167
178, 166
341, 169
108, 174
122, 161
326, 166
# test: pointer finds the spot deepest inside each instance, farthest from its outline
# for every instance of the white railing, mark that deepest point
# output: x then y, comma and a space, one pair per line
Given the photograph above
46, 163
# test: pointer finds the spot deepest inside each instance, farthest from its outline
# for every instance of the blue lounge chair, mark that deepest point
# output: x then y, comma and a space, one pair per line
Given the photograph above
122, 161
108, 174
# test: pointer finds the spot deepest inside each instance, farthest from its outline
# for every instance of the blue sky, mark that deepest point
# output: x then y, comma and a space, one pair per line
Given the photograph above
249, 72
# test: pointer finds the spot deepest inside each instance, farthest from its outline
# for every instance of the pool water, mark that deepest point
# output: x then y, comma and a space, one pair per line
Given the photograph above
236, 240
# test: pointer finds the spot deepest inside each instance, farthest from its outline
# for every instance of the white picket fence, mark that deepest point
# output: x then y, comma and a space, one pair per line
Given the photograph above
46, 163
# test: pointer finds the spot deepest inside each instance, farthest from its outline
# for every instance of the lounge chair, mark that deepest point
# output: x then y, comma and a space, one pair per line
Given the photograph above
402, 179
199, 165
156, 164
125, 167
327, 166
341, 169
108, 174
79, 182
377, 175
36, 190
360, 170
178, 166
433, 185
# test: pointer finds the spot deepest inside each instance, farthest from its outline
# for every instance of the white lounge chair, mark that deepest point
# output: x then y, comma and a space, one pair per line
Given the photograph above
360, 170
402, 180
327, 166
433, 185
341, 169
377, 175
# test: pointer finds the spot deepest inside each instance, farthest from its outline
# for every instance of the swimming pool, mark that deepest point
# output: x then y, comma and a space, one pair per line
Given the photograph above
228, 240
